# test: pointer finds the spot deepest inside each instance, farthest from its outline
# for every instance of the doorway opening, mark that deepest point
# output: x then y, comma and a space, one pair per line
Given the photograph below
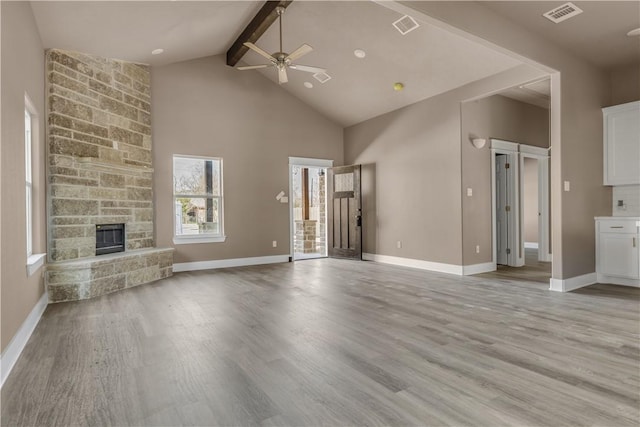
308, 189
521, 214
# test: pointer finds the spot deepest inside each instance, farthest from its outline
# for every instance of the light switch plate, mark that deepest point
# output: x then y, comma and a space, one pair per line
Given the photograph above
567, 186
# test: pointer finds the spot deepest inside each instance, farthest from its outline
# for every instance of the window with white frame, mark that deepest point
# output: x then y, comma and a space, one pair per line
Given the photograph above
197, 199
28, 180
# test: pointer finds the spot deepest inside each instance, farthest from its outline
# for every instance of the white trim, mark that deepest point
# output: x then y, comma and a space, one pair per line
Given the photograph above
603, 278
414, 263
311, 163
531, 245
187, 239
314, 163
34, 262
528, 151
500, 144
12, 352
572, 283
314, 255
478, 268
227, 263
533, 150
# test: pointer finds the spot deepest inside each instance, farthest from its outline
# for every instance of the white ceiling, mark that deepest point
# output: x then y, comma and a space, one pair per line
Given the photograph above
599, 34
428, 60
130, 30
536, 93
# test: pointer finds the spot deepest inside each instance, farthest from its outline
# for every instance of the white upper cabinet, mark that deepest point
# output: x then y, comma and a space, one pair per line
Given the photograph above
622, 144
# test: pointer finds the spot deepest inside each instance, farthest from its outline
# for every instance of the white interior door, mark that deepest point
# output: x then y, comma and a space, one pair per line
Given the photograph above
502, 210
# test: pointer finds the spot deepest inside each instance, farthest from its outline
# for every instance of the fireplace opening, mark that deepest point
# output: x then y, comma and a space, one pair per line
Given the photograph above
109, 238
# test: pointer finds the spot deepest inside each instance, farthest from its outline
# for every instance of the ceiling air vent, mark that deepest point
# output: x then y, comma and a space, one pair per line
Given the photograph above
561, 13
322, 77
405, 24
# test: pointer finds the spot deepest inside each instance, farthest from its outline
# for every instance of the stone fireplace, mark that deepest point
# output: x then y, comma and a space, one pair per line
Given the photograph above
100, 174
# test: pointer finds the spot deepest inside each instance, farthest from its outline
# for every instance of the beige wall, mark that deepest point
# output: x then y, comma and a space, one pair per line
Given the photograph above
412, 173
577, 150
202, 107
491, 117
22, 72
530, 200
625, 84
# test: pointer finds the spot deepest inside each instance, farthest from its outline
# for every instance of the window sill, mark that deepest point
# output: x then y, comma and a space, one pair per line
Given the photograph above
184, 240
34, 262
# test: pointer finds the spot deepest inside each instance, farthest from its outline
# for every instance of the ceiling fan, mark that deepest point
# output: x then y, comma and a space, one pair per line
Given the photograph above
282, 60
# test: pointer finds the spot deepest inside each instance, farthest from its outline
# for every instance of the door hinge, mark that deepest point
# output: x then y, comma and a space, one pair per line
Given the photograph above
507, 165
508, 251
507, 208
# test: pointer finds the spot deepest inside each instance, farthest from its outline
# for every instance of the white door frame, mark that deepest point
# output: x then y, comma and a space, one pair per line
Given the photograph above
304, 162
515, 258
542, 156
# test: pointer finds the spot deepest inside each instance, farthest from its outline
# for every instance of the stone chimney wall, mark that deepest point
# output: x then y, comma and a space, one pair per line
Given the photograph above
99, 160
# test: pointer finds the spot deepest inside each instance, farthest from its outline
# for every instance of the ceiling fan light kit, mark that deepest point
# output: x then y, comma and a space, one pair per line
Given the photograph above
282, 60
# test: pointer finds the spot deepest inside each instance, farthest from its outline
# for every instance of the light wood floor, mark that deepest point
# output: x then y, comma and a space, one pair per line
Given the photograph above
532, 271
331, 342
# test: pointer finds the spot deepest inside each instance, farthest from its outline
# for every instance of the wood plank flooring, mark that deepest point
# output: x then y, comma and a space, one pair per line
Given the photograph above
332, 342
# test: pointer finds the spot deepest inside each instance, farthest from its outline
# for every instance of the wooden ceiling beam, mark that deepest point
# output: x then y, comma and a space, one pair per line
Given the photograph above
266, 16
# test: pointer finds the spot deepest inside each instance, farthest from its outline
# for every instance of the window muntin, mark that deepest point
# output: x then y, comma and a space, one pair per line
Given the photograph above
197, 197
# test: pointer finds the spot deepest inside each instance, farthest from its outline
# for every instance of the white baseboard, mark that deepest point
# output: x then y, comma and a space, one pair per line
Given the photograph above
572, 283
531, 245
13, 350
226, 263
602, 278
479, 268
414, 263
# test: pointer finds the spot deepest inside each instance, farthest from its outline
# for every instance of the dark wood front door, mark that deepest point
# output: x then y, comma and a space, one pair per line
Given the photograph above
345, 213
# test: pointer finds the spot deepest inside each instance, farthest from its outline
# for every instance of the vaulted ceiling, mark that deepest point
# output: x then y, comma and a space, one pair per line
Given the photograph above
428, 60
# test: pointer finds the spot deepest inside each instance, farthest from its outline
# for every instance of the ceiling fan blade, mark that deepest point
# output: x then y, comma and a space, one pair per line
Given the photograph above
254, 67
302, 50
259, 51
282, 75
308, 68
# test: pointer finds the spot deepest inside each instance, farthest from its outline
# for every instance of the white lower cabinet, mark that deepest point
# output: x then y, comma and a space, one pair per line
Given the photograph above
617, 252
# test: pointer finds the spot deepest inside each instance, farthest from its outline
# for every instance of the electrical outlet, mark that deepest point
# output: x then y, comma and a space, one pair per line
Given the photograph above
275, 244
469, 192
399, 244
567, 186
477, 249
620, 203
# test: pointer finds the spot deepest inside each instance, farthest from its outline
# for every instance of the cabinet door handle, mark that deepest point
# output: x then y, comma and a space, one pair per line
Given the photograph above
616, 226
634, 242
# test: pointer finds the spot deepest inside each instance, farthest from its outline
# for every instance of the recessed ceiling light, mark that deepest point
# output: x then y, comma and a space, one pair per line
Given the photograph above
308, 85
398, 86
635, 32
157, 51
359, 53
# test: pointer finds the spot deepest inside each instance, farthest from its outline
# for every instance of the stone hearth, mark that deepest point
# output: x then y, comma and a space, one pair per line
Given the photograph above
91, 277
